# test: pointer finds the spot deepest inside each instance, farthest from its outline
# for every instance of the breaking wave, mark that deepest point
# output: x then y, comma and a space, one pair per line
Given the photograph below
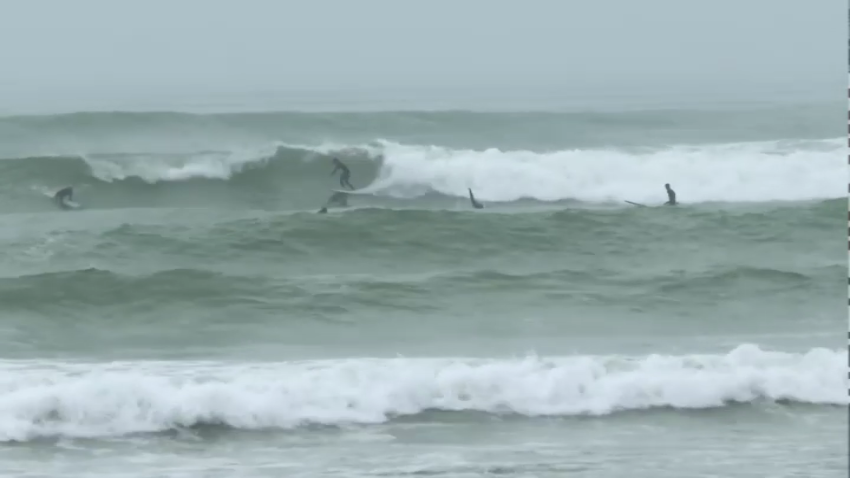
98, 400
742, 172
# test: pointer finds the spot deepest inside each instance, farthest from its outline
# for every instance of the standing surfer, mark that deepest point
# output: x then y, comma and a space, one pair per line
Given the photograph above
63, 195
344, 174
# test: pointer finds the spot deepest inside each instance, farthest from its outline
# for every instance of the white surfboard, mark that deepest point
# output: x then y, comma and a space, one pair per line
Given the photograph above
348, 191
69, 204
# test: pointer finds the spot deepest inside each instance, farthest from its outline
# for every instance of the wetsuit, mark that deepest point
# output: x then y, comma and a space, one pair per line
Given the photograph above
344, 175
64, 193
671, 196
475, 204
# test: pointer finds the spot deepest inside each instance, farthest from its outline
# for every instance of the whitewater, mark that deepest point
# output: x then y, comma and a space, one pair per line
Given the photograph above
197, 317
104, 400
732, 173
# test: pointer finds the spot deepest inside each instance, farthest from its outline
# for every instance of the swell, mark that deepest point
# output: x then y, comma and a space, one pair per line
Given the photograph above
264, 177
81, 293
376, 238
71, 291
410, 230
536, 131
146, 170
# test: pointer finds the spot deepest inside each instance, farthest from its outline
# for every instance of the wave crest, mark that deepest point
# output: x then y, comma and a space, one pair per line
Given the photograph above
118, 399
750, 172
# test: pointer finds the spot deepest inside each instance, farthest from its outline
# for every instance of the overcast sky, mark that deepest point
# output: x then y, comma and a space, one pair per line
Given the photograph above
113, 48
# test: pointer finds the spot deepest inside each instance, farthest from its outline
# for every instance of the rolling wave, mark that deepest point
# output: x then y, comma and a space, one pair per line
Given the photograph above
378, 234
170, 132
82, 291
298, 176
118, 399
72, 291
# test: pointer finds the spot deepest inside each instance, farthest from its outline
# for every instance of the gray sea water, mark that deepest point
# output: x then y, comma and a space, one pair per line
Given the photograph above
196, 317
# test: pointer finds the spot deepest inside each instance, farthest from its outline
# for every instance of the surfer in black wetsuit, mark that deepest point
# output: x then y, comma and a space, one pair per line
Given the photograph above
475, 204
344, 174
64, 194
671, 196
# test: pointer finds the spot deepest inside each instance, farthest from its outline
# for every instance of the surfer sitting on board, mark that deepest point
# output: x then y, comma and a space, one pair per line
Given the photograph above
344, 175
64, 194
475, 204
671, 196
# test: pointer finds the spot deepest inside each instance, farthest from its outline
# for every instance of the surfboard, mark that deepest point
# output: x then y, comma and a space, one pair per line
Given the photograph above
65, 204
348, 191
636, 204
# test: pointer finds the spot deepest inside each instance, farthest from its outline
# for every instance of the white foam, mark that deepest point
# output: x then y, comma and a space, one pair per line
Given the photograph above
157, 168
222, 165
91, 400
742, 172
746, 172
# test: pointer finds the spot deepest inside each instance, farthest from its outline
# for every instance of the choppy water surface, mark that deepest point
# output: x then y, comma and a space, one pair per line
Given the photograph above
196, 317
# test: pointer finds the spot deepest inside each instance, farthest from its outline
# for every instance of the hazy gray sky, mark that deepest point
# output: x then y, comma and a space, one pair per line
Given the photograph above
114, 48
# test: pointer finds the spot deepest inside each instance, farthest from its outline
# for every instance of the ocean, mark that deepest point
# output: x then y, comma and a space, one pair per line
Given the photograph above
196, 317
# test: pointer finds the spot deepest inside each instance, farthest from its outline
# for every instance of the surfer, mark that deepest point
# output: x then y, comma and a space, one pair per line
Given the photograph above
671, 196
323, 210
344, 174
475, 204
63, 195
